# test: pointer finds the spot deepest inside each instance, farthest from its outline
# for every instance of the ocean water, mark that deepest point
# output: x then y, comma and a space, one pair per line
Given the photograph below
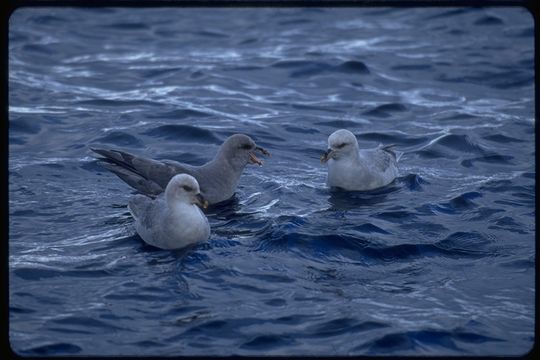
440, 262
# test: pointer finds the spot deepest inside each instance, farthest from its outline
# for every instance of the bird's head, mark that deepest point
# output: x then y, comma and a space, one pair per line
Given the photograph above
340, 143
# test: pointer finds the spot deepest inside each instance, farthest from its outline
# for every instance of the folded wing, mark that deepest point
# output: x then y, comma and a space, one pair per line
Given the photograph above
383, 157
148, 176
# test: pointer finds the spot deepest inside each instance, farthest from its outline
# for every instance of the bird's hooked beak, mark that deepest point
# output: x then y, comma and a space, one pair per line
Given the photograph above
200, 201
326, 156
254, 159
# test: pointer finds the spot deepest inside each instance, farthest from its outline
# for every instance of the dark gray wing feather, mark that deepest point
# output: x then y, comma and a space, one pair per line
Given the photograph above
148, 176
384, 156
389, 150
395, 153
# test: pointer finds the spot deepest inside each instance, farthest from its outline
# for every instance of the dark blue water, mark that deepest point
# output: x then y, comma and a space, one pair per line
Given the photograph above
441, 262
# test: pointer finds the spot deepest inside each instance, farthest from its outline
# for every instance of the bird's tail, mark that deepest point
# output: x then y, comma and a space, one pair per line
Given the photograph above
130, 169
395, 153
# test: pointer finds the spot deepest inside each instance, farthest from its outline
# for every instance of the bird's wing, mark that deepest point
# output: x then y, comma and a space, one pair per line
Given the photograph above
148, 176
390, 150
147, 213
139, 206
382, 158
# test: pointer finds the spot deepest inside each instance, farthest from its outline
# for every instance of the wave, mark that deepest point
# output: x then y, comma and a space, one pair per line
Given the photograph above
418, 341
450, 13
25, 126
38, 49
393, 137
489, 20
212, 34
158, 72
347, 200
129, 26
412, 67
353, 67
341, 326
386, 110
343, 124
502, 139
457, 143
60, 348
489, 159
120, 138
185, 133
309, 68
180, 114
268, 342
324, 246
500, 80
116, 103
413, 182
459, 203
300, 130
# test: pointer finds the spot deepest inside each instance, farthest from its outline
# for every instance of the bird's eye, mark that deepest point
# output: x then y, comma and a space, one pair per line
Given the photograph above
340, 146
187, 188
245, 146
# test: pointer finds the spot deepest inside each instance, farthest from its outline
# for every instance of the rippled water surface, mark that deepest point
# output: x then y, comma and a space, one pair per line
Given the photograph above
440, 262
